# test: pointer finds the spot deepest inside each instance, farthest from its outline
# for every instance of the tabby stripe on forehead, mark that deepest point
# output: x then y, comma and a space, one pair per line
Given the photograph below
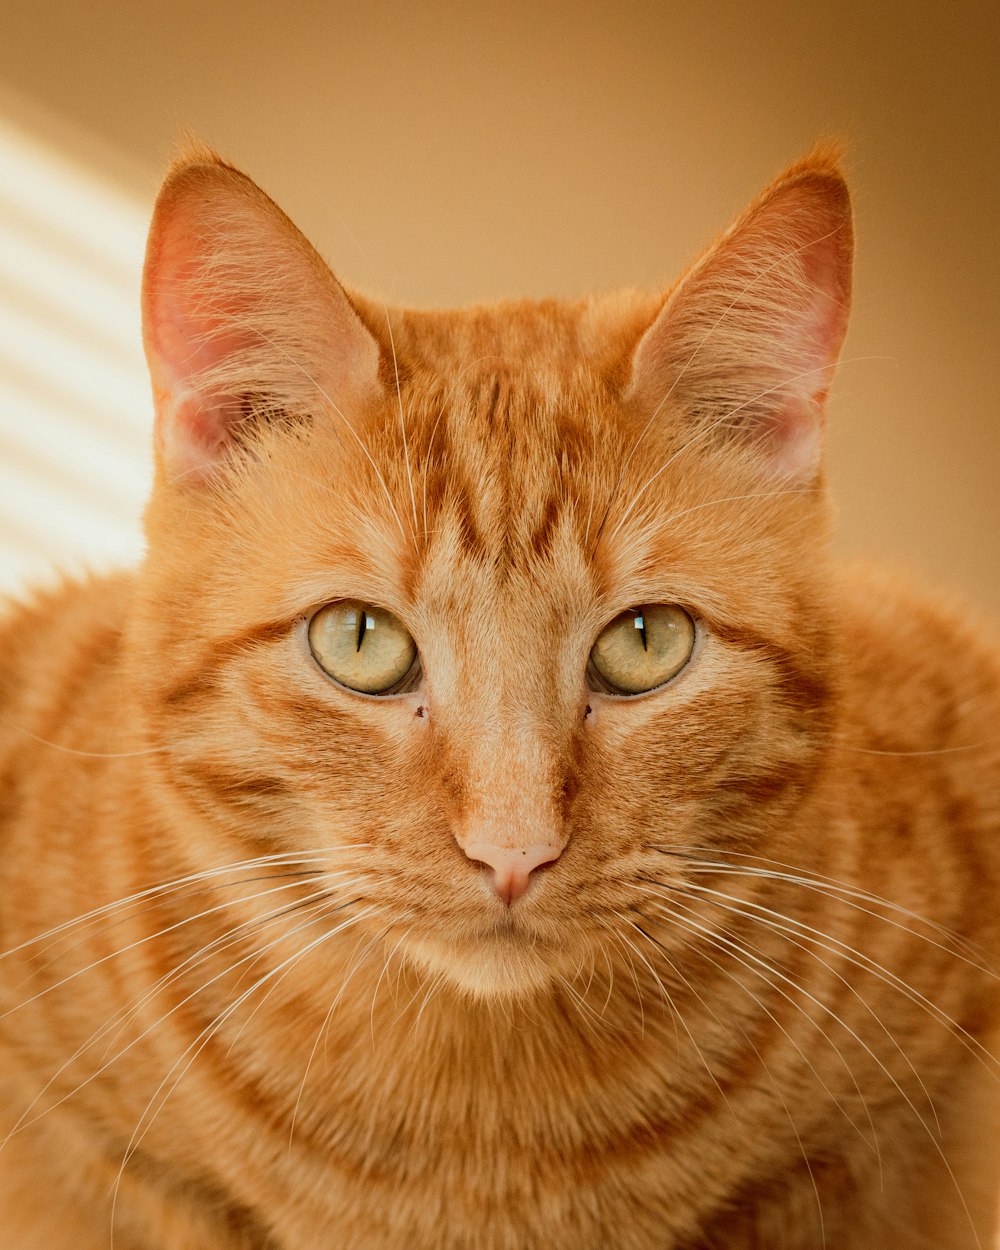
541, 539
460, 495
471, 498
489, 415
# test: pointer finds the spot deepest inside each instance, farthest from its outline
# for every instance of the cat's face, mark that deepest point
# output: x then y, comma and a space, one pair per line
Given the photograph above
504, 489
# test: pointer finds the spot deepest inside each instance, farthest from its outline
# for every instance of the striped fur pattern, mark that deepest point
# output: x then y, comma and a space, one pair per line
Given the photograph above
254, 995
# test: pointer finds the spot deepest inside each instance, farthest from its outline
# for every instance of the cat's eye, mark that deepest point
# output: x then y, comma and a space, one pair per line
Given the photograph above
363, 647
642, 649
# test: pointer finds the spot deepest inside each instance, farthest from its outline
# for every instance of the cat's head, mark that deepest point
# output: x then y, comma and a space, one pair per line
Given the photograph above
488, 608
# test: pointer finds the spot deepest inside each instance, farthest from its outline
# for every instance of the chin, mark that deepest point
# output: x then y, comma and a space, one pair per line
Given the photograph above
487, 969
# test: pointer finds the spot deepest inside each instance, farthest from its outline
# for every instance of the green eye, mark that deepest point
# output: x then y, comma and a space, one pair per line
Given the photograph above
363, 647
642, 648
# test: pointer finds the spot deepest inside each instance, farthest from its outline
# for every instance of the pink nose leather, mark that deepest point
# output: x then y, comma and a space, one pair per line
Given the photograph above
512, 865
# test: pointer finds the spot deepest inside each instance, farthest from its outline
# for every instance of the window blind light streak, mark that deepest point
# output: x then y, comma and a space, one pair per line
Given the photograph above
75, 456
50, 188
75, 407
59, 358
39, 267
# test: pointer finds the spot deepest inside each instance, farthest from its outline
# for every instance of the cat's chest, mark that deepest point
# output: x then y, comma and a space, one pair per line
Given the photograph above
459, 1137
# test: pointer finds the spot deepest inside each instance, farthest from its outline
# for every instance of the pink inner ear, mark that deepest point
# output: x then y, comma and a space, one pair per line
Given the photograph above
185, 344
792, 435
187, 338
236, 304
751, 336
793, 428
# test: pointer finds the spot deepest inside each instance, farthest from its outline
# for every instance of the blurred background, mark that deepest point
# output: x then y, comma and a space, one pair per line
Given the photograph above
442, 153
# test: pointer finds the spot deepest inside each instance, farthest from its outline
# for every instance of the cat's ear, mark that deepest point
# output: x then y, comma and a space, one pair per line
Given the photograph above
242, 320
747, 341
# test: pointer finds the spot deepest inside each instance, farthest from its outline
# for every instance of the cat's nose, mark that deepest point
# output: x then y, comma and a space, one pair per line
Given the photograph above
512, 865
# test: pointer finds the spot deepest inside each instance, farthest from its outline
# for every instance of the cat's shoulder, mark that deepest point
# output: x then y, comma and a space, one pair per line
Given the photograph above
915, 656
49, 634
883, 604
98, 598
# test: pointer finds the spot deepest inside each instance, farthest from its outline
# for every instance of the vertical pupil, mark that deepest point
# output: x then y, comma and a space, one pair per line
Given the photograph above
640, 625
362, 628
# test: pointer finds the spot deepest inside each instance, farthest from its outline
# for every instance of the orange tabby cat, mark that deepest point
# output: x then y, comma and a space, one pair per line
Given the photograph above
488, 820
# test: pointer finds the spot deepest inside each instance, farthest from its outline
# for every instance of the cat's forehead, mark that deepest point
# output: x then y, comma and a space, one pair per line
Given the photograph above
515, 395
505, 455
502, 454
505, 463
549, 339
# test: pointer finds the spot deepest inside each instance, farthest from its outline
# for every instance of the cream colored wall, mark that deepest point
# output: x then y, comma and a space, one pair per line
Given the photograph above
441, 152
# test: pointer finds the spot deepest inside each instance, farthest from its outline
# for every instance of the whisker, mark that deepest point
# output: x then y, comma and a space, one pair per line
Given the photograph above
151, 937
665, 996
324, 912
89, 755
224, 941
859, 959
809, 878
229, 938
320, 1033
115, 920
619, 938
592, 961
378, 983
281, 858
609, 963
433, 988
153, 1108
818, 939
843, 1024
679, 1015
588, 1016
720, 941
775, 1083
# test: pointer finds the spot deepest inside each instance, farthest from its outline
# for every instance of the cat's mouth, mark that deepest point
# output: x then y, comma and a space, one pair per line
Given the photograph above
503, 959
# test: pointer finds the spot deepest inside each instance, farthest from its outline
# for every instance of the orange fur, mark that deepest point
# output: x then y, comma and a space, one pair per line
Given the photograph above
750, 1003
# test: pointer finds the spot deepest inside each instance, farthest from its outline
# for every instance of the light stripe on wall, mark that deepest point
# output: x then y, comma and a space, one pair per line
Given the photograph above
75, 409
